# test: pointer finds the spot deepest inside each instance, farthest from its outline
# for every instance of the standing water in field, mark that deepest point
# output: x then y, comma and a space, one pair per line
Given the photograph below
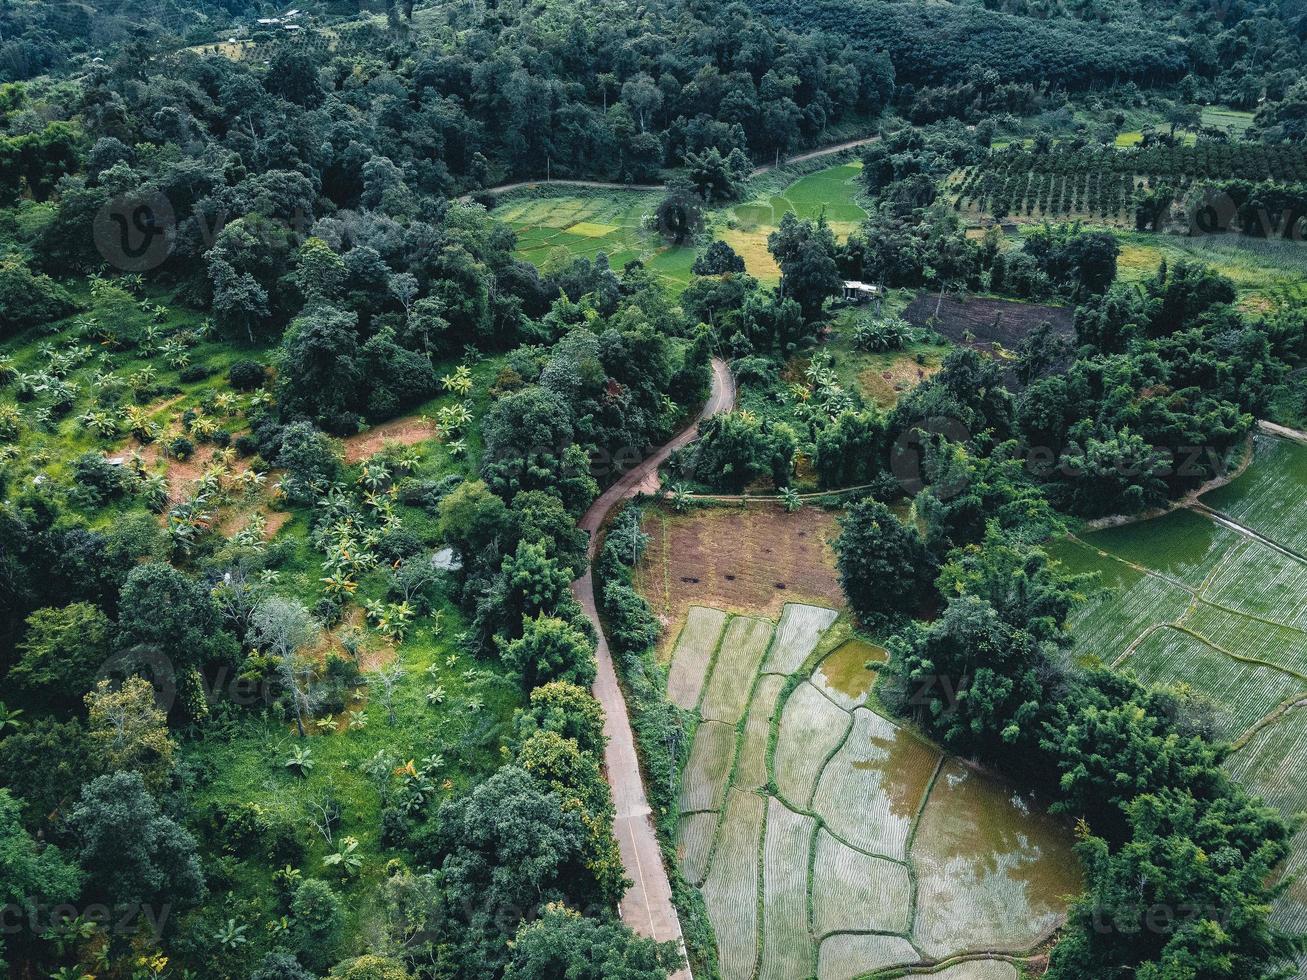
868, 806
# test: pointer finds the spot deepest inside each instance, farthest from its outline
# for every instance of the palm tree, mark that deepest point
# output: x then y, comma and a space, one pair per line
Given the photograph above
790, 499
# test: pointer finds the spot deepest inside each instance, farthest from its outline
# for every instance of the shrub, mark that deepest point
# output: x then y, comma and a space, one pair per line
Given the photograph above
247, 375
28, 298
96, 478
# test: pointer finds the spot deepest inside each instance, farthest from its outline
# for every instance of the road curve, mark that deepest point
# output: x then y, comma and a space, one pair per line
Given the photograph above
647, 906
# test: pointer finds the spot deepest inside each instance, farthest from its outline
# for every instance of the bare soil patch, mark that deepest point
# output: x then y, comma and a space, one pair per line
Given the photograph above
751, 558
406, 431
885, 382
984, 323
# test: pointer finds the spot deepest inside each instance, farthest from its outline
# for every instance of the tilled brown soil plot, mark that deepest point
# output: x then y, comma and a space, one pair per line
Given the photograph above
982, 323
752, 558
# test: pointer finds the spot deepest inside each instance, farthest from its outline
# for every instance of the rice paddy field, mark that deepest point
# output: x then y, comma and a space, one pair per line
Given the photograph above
553, 228
1214, 598
827, 840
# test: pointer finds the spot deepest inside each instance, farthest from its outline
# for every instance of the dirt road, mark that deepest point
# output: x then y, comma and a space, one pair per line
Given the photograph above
647, 907
609, 185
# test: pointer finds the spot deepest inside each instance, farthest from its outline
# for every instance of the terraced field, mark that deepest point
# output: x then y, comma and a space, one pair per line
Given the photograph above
828, 841
554, 227
1215, 598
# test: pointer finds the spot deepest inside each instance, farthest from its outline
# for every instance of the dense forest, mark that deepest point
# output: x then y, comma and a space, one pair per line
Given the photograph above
294, 440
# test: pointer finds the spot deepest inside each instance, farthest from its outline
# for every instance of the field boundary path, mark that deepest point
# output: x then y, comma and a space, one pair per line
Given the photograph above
608, 185
647, 906
1275, 429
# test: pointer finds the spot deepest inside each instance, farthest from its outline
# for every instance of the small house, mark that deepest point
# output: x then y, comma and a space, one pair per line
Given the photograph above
860, 292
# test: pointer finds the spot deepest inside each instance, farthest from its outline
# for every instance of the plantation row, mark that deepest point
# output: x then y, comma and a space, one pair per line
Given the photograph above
1103, 182
1103, 194
1249, 161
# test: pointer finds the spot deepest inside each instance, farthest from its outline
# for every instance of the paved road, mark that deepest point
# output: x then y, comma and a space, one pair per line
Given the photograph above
609, 185
647, 907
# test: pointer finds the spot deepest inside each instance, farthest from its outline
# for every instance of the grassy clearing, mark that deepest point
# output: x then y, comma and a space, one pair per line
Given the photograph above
693, 655
554, 227
1262, 270
1233, 121
832, 192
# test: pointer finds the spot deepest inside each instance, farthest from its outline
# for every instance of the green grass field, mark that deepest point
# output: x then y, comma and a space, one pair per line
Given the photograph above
553, 228
181, 369
1188, 603
1263, 272
828, 841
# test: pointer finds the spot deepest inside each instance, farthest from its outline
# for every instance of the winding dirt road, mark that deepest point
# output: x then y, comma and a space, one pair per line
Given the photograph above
647, 907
